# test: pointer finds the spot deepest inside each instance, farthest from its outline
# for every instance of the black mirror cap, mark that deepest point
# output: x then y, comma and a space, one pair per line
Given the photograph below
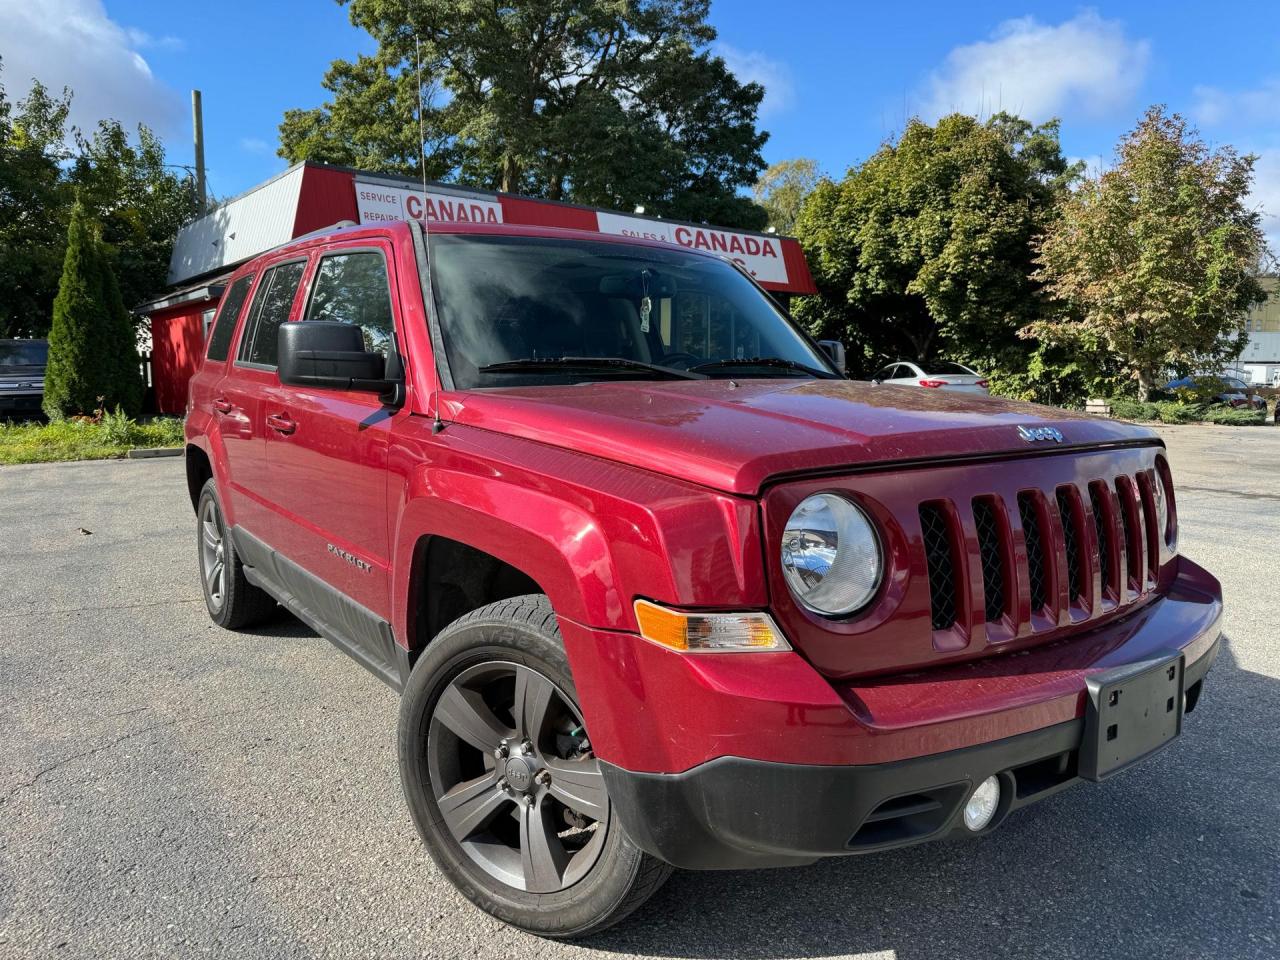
329, 355
835, 350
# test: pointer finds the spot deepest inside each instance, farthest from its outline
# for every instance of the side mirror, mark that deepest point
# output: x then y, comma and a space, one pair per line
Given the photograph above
331, 356
835, 350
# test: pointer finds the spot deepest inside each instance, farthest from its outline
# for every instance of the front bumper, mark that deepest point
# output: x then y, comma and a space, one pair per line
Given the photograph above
15, 402
729, 761
733, 813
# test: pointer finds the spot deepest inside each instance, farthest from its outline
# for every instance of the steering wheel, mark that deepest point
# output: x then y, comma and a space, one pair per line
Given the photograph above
680, 360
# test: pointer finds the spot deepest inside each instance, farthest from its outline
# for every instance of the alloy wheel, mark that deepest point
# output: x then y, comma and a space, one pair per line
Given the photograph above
514, 778
213, 555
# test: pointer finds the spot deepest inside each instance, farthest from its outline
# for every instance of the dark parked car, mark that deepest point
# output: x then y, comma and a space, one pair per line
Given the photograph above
22, 365
1235, 393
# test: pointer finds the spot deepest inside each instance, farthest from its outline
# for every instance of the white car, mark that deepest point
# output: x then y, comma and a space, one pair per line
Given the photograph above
941, 374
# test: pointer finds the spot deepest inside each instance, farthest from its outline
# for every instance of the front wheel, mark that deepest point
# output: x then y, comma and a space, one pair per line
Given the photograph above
502, 783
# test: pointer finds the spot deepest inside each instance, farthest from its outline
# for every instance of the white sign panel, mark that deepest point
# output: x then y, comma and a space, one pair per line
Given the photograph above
378, 203
762, 256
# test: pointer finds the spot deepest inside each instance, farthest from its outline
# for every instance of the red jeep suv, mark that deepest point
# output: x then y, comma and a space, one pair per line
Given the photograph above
658, 585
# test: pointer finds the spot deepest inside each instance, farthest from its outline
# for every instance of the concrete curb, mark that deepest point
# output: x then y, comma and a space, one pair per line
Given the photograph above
147, 453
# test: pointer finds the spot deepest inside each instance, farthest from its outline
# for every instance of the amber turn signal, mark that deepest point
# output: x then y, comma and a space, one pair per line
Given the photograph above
708, 632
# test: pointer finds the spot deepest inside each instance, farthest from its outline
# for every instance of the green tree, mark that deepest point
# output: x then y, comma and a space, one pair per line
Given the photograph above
33, 203
597, 101
1154, 260
139, 201
782, 190
92, 351
925, 250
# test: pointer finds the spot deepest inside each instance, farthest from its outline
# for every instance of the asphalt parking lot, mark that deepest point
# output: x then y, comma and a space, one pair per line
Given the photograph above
168, 789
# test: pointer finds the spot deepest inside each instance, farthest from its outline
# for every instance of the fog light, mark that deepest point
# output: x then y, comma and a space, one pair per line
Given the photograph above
982, 804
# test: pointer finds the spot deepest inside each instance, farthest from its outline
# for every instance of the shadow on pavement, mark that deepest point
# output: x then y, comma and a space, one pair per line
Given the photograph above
1176, 858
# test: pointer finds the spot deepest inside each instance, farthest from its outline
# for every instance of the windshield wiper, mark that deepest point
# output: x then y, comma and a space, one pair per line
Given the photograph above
778, 362
589, 363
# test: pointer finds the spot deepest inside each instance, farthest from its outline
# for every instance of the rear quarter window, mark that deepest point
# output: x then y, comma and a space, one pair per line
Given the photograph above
224, 324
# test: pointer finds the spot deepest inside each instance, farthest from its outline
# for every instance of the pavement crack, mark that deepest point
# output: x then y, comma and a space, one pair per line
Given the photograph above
116, 741
98, 607
1242, 494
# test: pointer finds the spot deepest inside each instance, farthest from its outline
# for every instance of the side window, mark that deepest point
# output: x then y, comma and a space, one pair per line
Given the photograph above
352, 288
270, 309
225, 323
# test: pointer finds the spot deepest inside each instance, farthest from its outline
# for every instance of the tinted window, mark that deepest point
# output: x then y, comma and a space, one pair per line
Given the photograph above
225, 323
505, 299
352, 288
24, 353
270, 309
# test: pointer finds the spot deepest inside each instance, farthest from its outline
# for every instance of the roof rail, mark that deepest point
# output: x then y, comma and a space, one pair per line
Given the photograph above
333, 226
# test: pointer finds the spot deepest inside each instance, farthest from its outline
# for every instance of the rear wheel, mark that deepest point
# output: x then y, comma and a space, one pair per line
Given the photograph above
503, 785
232, 601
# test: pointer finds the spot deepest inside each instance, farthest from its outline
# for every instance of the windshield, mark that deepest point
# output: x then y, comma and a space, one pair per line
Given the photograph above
508, 299
23, 353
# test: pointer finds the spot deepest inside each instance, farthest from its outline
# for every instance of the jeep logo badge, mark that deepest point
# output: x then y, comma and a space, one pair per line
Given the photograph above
1032, 434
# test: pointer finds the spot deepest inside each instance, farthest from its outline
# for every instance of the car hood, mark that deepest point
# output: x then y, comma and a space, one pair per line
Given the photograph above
736, 436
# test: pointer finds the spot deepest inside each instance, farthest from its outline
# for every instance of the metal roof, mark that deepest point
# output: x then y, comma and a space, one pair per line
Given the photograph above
239, 229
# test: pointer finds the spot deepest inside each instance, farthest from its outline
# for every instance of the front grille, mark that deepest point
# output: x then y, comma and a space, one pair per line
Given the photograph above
940, 561
988, 530
1037, 575
1146, 493
1128, 504
1071, 539
1102, 521
969, 555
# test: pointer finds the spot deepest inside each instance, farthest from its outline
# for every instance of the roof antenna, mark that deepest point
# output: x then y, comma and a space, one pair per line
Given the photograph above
437, 424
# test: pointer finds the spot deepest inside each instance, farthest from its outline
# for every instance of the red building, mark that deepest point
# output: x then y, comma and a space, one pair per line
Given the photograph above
311, 196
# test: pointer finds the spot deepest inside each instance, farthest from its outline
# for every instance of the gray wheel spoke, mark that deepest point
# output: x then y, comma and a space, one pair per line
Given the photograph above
466, 714
214, 577
471, 805
542, 856
533, 697
211, 538
579, 785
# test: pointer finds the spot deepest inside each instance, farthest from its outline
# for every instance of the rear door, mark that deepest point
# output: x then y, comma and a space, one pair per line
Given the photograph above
328, 448
239, 397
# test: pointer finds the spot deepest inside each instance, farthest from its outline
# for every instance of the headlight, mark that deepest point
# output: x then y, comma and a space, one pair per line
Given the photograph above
831, 555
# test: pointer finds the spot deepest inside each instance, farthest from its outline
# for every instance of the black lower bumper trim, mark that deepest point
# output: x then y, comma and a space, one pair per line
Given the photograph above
735, 813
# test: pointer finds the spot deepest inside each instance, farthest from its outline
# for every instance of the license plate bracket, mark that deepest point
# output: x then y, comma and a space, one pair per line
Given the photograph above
1132, 712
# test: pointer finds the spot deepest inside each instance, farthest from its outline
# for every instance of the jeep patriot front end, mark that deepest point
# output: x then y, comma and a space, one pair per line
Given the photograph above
658, 585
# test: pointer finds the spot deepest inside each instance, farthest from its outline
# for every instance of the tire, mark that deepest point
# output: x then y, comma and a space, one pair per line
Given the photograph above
475, 809
232, 601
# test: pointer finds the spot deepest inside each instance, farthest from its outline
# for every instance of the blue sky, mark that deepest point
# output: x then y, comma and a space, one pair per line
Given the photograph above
841, 76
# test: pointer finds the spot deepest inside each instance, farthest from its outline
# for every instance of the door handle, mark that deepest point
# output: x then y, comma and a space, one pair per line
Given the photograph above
280, 423
222, 405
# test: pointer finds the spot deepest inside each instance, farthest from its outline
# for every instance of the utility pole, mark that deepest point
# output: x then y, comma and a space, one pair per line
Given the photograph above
197, 124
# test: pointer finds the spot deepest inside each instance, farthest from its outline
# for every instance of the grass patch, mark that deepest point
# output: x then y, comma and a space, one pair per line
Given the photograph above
112, 436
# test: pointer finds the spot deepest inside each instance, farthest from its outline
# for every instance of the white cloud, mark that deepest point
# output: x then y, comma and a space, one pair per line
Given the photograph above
1265, 195
143, 40
1039, 70
73, 43
1213, 105
751, 66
